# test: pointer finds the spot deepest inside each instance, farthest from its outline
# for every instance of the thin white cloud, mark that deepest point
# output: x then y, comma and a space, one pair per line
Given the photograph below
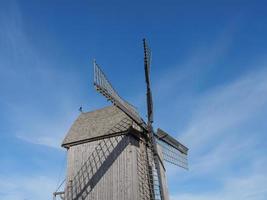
43, 129
218, 139
27, 187
226, 107
47, 141
38, 96
216, 114
248, 187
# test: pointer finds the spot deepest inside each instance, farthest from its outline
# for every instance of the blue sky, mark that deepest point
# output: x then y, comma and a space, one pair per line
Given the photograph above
209, 70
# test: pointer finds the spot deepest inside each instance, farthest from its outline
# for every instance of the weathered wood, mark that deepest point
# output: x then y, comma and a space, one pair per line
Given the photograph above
115, 174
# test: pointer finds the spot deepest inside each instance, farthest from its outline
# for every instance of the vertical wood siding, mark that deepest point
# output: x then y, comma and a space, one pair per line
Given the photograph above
119, 169
116, 181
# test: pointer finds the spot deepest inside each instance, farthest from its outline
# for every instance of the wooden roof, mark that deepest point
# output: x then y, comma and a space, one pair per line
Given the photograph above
97, 124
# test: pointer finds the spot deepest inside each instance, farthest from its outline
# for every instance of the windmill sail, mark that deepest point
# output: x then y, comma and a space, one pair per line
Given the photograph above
103, 86
114, 154
173, 151
147, 61
158, 182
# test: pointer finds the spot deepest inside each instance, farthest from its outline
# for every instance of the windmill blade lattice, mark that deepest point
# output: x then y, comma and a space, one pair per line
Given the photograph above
173, 151
103, 86
172, 155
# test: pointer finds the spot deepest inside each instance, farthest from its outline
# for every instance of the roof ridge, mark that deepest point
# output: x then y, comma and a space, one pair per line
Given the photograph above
99, 109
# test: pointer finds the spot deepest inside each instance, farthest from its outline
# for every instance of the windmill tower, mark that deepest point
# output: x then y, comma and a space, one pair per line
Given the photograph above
113, 154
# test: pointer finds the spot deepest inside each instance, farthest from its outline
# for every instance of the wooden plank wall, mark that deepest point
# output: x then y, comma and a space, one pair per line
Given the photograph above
119, 181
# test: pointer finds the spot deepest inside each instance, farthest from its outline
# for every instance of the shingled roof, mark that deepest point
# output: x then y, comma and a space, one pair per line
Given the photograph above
96, 124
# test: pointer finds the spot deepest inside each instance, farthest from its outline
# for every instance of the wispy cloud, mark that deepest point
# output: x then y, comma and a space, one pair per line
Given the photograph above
226, 107
46, 139
38, 96
27, 188
221, 140
40, 102
248, 187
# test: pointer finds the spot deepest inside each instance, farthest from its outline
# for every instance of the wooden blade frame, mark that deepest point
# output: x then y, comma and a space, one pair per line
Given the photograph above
103, 86
147, 60
165, 137
172, 155
173, 151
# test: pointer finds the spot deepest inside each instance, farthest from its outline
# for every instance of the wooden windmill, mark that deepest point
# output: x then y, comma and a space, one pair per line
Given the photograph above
113, 154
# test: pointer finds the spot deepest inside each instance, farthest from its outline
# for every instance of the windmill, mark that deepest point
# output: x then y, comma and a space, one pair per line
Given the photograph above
114, 154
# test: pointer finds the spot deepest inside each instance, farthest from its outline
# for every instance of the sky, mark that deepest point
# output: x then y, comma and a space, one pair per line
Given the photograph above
208, 75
